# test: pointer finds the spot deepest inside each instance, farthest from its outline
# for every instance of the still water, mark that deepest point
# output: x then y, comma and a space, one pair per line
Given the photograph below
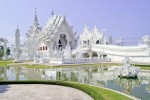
98, 76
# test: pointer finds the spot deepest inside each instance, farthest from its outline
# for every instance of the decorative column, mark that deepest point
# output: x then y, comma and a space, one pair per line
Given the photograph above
5, 49
67, 53
98, 54
90, 54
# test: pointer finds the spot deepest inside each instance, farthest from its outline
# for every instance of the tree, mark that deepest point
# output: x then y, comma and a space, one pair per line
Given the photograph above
1, 48
8, 51
1, 53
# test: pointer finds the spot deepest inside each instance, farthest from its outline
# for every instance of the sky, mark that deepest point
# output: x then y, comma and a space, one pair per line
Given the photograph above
118, 18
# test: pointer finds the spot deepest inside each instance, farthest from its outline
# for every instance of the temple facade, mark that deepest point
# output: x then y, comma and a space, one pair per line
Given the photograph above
53, 37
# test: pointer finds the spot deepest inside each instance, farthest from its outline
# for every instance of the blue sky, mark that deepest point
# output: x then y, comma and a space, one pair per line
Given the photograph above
120, 18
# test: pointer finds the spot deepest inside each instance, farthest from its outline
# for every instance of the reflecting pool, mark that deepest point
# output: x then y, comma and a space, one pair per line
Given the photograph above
99, 76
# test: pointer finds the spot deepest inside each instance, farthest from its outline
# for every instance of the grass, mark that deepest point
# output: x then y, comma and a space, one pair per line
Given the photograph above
145, 67
96, 93
4, 63
34, 66
10, 62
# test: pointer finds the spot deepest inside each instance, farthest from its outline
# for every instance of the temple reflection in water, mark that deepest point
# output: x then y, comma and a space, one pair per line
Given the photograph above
99, 76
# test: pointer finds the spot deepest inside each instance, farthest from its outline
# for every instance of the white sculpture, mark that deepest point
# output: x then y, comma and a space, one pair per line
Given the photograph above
127, 70
50, 74
67, 53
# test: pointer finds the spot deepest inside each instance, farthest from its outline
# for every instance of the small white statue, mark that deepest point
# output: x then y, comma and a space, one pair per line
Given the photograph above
67, 53
127, 70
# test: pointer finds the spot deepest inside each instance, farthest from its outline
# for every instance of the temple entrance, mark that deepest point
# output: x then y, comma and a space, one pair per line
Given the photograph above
62, 42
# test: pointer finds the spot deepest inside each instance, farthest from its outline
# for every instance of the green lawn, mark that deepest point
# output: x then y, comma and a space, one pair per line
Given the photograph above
95, 92
146, 67
5, 62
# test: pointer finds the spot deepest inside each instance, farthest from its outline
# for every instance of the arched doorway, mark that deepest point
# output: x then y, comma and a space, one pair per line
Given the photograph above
62, 42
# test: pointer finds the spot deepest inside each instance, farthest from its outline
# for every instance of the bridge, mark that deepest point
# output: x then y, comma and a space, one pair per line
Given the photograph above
139, 53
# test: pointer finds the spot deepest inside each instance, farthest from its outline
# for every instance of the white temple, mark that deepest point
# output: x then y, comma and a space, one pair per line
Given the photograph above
56, 42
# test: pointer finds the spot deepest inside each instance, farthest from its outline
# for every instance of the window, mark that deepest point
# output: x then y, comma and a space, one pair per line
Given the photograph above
40, 48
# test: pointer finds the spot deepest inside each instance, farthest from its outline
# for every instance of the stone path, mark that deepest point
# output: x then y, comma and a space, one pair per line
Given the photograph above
40, 92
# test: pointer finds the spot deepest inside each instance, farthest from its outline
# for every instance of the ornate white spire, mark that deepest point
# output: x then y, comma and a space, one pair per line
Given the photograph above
95, 29
52, 13
17, 37
36, 24
85, 27
17, 45
17, 30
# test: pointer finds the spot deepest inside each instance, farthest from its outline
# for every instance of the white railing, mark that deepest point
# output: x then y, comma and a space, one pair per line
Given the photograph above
71, 60
85, 60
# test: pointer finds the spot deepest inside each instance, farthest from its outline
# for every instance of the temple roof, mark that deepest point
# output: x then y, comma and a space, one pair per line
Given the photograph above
95, 34
53, 24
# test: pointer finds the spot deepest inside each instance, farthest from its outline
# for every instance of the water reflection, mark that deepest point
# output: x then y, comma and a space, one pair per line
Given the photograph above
127, 84
99, 76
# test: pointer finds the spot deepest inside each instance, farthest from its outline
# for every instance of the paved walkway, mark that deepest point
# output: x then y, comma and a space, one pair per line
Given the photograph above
41, 92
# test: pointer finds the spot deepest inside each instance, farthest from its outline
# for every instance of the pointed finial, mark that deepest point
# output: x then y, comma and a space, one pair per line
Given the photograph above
17, 30
36, 24
52, 13
95, 28
35, 12
85, 26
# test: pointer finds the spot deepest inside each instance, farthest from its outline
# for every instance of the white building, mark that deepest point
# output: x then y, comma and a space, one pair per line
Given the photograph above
54, 36
56, 41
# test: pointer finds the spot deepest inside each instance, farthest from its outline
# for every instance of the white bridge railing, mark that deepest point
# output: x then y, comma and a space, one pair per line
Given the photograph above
80, 60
